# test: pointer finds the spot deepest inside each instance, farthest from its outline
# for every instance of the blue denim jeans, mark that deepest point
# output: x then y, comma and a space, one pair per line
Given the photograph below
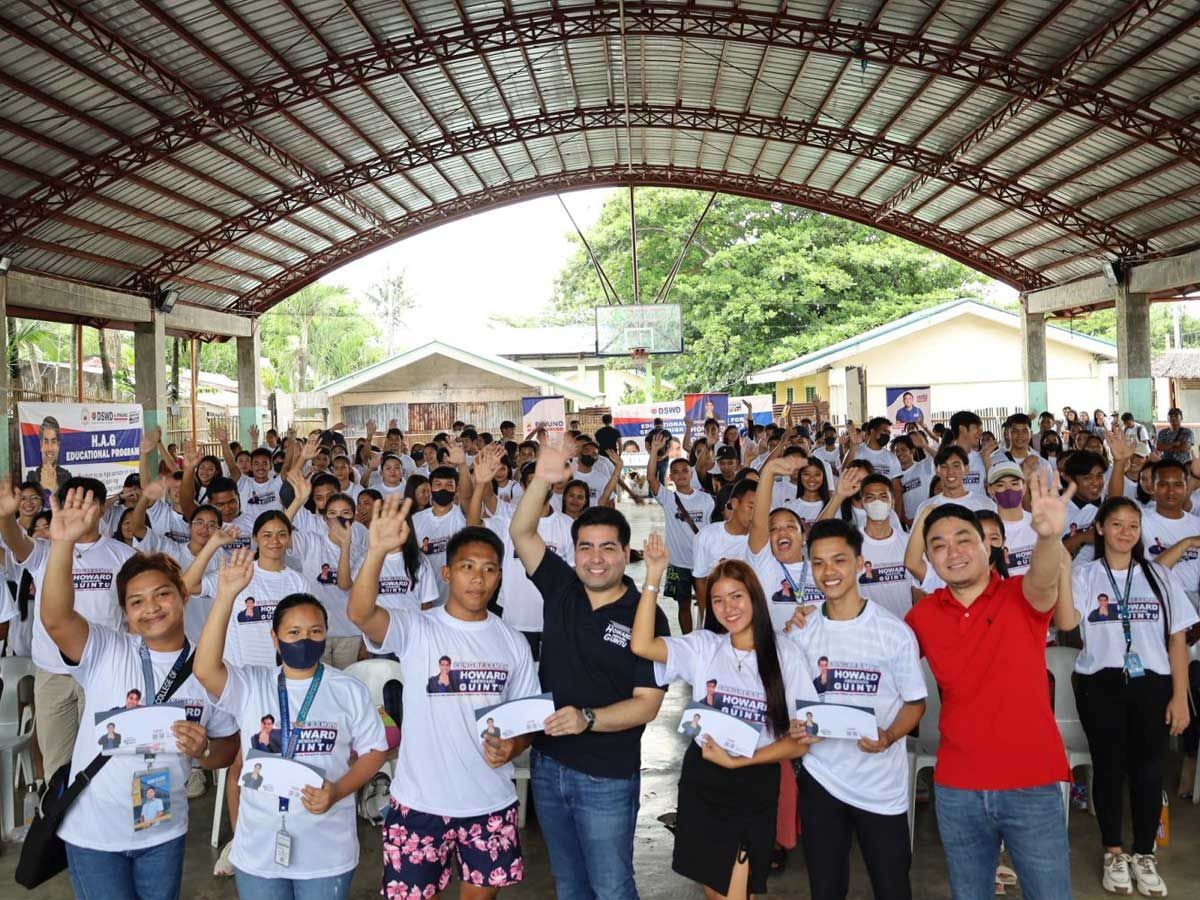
251, 887
588, 824
1033, 826
150, 874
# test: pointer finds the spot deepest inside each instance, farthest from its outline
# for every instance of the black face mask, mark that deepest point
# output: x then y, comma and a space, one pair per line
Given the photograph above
587, 460
443, 497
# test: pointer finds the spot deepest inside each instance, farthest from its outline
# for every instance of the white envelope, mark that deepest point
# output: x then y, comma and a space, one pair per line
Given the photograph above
838, 720
275, 774
143, 730
737, 736
523, 716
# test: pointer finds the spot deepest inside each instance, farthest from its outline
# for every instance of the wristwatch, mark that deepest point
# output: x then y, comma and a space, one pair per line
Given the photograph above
589, 716
207, 748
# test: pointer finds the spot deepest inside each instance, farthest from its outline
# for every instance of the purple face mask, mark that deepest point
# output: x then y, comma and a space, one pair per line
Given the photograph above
1008, 499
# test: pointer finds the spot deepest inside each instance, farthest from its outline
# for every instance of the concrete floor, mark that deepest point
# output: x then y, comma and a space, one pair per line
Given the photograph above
662, 750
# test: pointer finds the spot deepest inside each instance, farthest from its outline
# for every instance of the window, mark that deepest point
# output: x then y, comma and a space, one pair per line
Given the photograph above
810, 394
791, 395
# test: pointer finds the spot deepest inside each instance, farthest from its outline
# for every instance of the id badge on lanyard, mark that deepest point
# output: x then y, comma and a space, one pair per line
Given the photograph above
150, 790
797, 591
290, 740
1132, 662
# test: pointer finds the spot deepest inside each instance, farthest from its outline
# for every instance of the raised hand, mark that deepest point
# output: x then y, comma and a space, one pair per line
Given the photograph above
150, 440
785, 465
655, 555
338, 533
1030, 466
220, 433
850, 482
371, 427
553, 465
76, 517
155, 491
10, 497
309, 451
223, 536
988, 447
1048, 507
192, 455
457, 457
657, 442
1119, 446
300, 485
487, 462
389, 528
253, 430
392, 424
615, 458
235, 572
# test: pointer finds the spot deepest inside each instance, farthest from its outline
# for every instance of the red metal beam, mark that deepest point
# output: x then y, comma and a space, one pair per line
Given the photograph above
953, 245
612, 116
587, 22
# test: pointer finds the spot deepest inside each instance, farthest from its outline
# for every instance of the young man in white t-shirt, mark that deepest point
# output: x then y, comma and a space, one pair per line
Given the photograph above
450, 488
58, 700
953, 467
1006, 485
915, 475
686, 511
966, 430
723, 540
1019, 429
259, 491
877, 434
884, 580
457, 659
592, 471
862, 656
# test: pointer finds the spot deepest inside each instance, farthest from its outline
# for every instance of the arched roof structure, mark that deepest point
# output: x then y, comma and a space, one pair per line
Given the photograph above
238, 149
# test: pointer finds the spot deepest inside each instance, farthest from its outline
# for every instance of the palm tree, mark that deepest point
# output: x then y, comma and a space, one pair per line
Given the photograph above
33, 339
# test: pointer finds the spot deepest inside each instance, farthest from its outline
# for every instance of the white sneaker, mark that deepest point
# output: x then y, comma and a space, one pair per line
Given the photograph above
224, 867
1145, 873
197, 783
1117, 879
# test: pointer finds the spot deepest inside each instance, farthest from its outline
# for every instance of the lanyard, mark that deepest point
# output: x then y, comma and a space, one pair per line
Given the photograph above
798, 593
164, 690
290, 738
1122, 600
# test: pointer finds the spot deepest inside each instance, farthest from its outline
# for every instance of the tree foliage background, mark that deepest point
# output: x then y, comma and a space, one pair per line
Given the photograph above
762, 282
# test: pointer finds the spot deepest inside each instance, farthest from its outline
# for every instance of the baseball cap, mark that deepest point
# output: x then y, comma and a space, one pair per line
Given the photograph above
1142, 449
726, 453
1005, 470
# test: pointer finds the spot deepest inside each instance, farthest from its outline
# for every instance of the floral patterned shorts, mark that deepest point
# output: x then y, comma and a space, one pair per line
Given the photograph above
419, 850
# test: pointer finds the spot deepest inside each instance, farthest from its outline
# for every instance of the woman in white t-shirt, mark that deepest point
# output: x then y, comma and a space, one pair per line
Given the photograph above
1131, 686
125, 833
727, 804
311, 716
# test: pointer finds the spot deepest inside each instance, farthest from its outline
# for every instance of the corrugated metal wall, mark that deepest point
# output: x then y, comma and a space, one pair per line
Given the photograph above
429, 418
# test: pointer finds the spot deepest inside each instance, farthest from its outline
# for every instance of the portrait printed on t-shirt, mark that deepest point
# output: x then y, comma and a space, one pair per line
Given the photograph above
252, 611
268, 739
491, 729
151, 798
467, 678
253, 779
133, 699
876, 574
846, 677
1139, 610
327, 575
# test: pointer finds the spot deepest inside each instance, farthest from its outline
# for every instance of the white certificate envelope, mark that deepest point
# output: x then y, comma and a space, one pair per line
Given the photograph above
275, 774
515, 717
838, 720
144, 730
737, 736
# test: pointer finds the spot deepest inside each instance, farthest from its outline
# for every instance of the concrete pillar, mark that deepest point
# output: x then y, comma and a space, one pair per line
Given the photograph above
1033, 360
150, 375
6, 403
250, 393
1135, 386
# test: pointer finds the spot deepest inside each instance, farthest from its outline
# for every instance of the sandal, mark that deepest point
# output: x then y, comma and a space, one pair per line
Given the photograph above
1006, 876
779, 859
669, 820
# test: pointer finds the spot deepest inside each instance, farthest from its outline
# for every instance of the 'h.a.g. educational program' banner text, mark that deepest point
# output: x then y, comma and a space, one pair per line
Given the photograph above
93, 440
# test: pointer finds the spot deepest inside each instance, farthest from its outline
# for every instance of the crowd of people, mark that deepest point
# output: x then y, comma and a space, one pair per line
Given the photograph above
806, 564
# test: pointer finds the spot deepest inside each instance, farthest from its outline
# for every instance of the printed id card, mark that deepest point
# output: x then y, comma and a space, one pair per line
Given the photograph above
151, 798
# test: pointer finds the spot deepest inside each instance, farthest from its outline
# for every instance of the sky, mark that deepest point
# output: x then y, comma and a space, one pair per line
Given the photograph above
504, 260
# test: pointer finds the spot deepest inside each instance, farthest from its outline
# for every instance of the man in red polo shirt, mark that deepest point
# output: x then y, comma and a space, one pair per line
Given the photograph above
1001, 760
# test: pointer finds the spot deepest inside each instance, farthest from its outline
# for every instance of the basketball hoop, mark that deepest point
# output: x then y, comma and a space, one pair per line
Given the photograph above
639, 355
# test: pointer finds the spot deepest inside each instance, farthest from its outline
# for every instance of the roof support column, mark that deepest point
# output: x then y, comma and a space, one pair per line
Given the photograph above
1134, 382
249, 378
6, 399
150, 375
1033, 359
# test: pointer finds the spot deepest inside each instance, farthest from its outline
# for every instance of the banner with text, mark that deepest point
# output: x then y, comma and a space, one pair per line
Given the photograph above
637, 419
94, 440
543, 412
907, 404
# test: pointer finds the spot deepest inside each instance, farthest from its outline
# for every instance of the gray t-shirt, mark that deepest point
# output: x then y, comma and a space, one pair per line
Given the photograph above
1174, 436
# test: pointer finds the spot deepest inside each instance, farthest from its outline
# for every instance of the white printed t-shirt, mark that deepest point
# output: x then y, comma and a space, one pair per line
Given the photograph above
397, 590
248, 634
704, 656
1160, 533
94, 570
433, 533
870, 661
680, 538
258, 497
169, 522
971, 501
1019, 538
195, 611
713, 544
341, 717
1100, 620
781, 599
318, 558
884, 579
519, 598
441, 768
884, 461
914, 486
102, 817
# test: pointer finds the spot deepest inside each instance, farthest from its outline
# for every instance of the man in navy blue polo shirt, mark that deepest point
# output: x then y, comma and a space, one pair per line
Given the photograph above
587, 764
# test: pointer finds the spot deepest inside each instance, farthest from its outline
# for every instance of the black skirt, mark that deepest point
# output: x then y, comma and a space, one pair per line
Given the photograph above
721, 812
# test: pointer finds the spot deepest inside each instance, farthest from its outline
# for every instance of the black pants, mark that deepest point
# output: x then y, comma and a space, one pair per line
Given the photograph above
1191, 736
1127, 734
535, 643
827, 825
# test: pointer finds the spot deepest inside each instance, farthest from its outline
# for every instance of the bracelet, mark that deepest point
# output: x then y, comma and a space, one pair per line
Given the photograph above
650, 587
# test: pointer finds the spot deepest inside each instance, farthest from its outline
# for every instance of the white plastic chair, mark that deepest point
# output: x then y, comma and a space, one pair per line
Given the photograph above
1060, 662
375, 674
922, 751
521, 775
16, 733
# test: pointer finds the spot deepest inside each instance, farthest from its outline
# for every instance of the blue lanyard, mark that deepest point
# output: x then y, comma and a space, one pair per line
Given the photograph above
1122, 600
798, 593
151, 696
291, 737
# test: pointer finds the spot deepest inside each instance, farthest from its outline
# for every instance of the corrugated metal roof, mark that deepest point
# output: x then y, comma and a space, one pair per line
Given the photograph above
148, 144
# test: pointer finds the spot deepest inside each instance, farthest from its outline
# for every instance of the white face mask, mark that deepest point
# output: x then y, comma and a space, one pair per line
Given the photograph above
877, 510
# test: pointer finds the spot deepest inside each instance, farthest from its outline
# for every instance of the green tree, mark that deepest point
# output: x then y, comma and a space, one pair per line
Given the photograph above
761, 283
391, 301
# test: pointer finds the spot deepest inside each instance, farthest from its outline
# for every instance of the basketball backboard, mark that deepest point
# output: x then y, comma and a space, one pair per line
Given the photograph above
657, 328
